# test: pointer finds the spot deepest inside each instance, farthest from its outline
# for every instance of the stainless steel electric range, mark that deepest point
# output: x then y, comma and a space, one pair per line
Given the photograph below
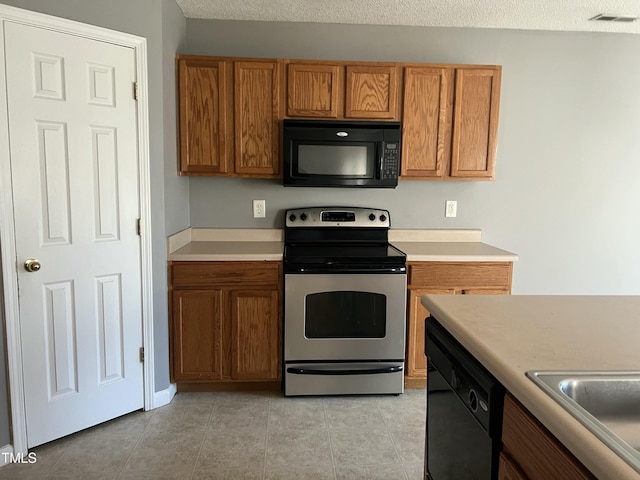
345, 303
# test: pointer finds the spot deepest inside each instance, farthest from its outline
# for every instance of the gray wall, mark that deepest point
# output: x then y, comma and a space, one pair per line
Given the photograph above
565, 196
164, 27
176, 189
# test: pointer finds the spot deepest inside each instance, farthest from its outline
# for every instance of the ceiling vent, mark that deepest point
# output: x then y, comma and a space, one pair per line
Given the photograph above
613, 18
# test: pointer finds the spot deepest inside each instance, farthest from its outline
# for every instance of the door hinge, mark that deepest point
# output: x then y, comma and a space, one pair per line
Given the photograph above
139, 227
141, 354
135, 90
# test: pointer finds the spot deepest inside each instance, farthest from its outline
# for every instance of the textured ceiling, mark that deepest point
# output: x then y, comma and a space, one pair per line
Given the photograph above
571, 15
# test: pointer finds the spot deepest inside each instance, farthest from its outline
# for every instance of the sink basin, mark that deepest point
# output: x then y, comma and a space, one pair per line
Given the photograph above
606, 402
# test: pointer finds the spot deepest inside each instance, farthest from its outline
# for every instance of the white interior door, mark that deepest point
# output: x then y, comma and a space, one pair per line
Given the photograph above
73, 144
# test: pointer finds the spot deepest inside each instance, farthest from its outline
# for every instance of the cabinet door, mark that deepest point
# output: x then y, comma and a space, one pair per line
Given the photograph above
255, 337
372, 91
203, 122
197, 335
256, 113
426, 122
313, 90
416, 359
475, 123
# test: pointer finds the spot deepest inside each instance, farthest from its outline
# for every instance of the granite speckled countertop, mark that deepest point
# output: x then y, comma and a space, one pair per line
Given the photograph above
511, 335
209, 244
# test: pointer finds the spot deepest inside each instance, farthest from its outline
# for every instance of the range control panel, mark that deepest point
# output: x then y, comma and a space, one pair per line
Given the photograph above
356, 217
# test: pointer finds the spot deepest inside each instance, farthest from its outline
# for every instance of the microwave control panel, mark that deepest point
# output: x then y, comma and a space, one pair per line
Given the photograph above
390, 160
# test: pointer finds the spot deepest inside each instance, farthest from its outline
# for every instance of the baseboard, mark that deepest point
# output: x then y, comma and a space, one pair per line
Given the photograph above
164, 397
5, 459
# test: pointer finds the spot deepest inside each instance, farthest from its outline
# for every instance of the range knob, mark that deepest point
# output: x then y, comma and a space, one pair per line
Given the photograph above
303, 217
292, 217
383, 218
372, 217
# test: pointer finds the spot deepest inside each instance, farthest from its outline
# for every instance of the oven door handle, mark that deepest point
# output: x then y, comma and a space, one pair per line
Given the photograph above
346, 269
359, 371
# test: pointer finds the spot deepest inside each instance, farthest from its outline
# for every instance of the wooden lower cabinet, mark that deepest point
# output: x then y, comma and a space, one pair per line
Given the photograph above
508, 470
531, 452
255, 332
197, 335
454, 278
226, 321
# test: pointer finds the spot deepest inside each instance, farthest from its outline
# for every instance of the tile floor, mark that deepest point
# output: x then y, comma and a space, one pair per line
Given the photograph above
262, 436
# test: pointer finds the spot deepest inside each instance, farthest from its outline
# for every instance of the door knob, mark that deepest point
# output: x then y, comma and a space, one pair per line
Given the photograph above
31, 265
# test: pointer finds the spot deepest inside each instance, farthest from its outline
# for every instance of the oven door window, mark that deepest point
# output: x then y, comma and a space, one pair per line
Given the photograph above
345, 314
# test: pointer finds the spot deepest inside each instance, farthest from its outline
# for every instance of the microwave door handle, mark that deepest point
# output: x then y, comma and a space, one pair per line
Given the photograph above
381, 163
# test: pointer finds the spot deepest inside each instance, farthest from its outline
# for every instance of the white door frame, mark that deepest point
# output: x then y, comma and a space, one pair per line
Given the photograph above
7, 230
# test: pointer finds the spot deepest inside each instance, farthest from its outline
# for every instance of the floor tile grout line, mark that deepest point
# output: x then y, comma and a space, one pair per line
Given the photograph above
390, 436
266, 440
50, 470
124, 464
206, 430
326, 423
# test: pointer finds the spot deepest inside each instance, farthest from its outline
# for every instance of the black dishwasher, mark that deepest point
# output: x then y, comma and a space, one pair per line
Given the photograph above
464, 411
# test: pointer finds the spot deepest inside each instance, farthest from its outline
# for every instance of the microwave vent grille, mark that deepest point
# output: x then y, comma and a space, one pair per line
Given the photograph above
603, 17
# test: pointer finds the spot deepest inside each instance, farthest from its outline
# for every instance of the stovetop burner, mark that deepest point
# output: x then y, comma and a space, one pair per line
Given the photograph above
352, 253
340, 237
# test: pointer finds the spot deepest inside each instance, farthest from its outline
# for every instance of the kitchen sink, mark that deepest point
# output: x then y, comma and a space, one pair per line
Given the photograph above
606, 402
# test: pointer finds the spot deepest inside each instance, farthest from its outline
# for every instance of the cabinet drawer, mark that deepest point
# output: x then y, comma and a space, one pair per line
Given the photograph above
460, 274
224, 273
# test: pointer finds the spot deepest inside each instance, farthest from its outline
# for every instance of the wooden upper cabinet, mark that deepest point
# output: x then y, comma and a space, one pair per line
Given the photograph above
371, 91
203, 122
313, 90
343, 90
230, 112
426, 121
257, 114
475, 122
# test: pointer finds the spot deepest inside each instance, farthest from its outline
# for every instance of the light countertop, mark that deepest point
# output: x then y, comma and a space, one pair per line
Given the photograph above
511, 335
267, 244
228, 250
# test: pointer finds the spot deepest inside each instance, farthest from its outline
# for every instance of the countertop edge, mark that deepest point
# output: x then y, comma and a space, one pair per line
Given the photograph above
595, 455
462, 258
194, 257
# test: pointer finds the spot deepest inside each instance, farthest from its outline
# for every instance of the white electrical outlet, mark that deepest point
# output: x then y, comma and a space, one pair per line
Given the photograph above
259, 209
451, 209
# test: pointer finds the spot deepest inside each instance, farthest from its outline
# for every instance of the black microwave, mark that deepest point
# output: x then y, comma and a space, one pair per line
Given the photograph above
341, 153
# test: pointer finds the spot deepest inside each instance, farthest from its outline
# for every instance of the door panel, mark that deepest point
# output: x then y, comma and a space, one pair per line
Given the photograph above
73, 137
257, 110
313, 90
197, 334
416, 359
426, 122
204, 132
475, 123
371, 91
255, 334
